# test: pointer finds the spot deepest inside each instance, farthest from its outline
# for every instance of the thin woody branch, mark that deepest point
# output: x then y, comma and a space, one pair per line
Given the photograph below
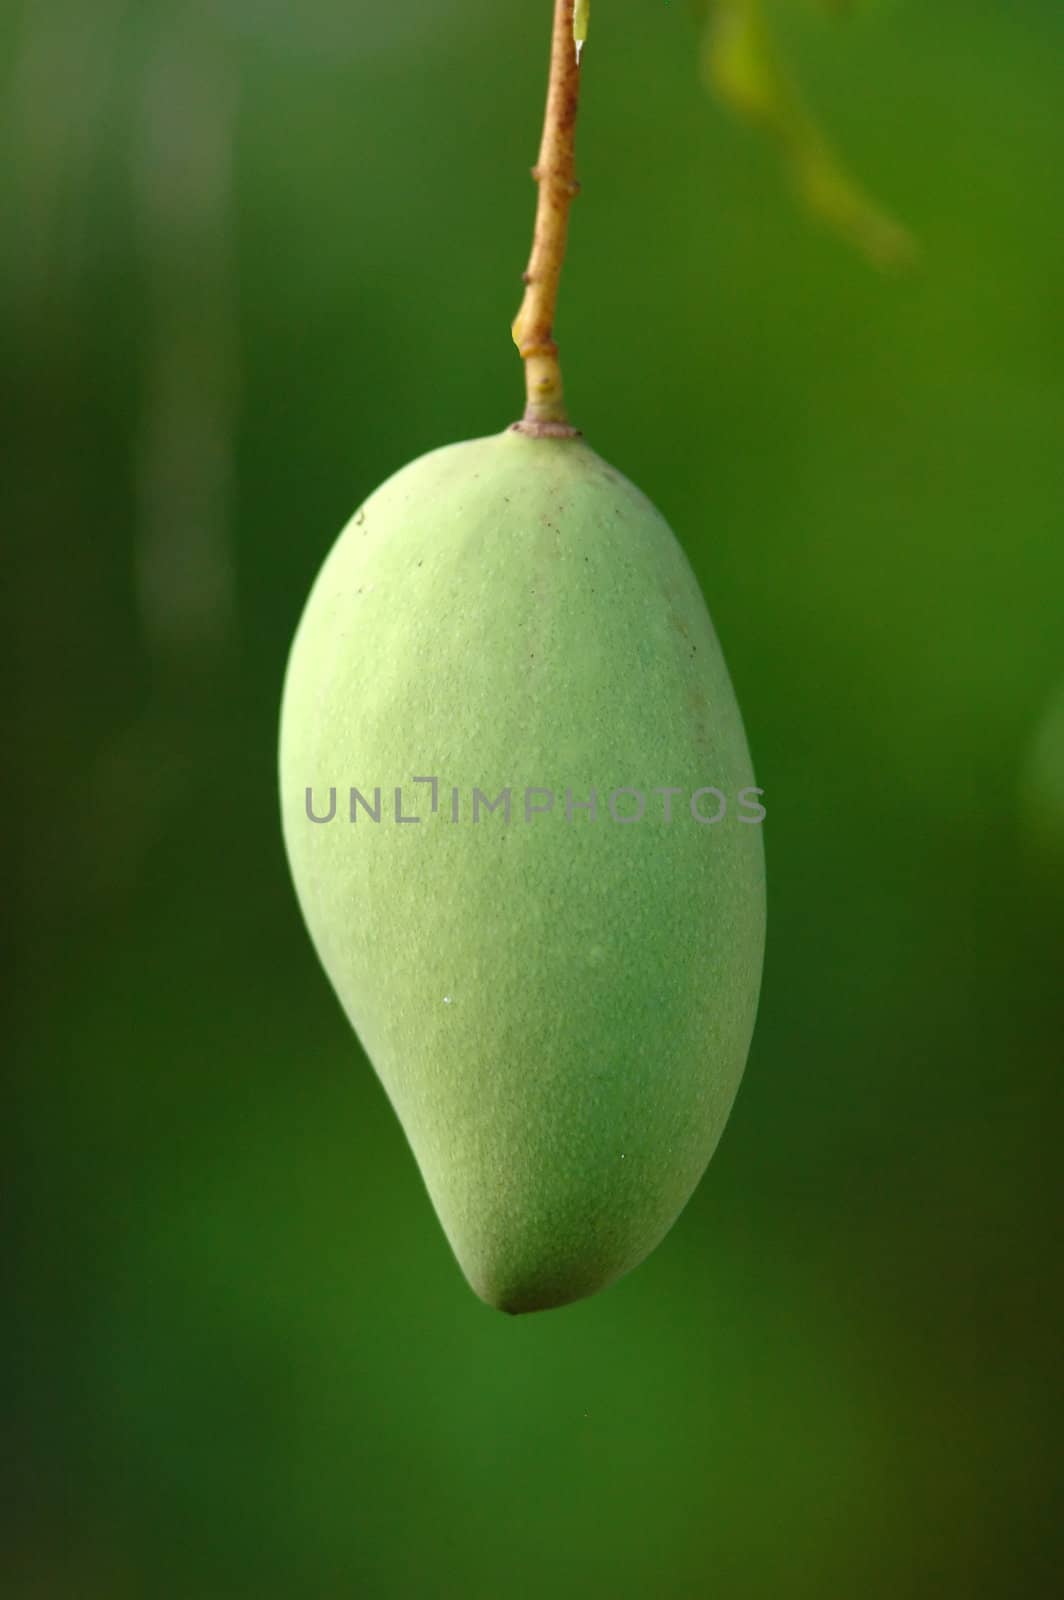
555, 173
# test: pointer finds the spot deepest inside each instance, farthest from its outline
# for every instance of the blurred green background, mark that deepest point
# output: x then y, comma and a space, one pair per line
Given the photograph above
258, 255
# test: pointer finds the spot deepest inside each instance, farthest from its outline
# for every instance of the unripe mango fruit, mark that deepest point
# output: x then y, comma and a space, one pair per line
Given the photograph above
559, 1004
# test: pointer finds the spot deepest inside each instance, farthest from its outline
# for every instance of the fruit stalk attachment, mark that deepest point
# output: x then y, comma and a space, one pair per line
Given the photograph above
555, 173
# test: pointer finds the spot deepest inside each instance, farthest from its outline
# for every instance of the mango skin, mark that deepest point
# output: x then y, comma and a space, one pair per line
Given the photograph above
559, 1011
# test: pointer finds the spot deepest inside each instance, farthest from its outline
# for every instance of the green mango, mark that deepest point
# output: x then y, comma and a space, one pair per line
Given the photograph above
558, 994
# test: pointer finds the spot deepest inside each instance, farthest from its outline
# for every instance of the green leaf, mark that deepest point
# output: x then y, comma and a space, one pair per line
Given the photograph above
741, 65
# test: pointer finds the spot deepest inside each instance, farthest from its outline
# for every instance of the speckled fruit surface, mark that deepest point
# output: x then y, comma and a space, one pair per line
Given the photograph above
559, 1002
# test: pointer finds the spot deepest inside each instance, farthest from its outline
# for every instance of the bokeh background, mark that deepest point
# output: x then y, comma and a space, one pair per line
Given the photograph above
258, 255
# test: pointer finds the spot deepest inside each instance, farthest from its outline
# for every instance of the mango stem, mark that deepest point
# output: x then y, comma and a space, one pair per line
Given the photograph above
555, 173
